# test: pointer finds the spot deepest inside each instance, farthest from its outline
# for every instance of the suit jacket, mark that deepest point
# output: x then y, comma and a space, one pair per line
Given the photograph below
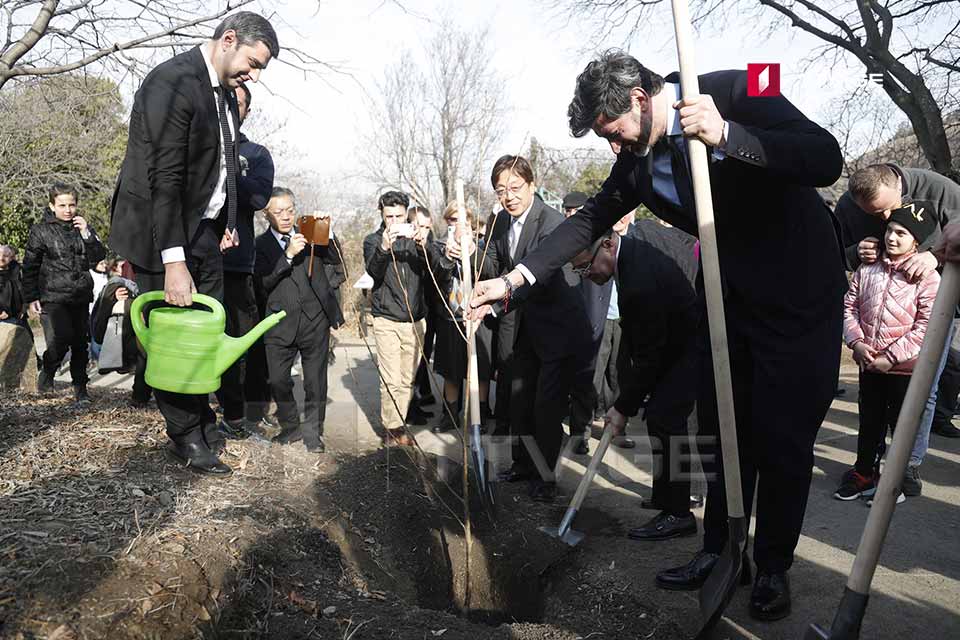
658, 316
254, 185
596, 300
553, 319
778, 243
172, 162
287, 286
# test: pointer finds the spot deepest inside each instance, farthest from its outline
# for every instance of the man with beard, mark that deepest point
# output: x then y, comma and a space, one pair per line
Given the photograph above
782, 271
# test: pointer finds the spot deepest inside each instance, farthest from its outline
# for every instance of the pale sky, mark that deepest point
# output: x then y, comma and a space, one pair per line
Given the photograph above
538, 54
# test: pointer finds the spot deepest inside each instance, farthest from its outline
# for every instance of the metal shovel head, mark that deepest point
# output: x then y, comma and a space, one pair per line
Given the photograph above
722, 581
816, 632
846, 624
481, 468
571, 536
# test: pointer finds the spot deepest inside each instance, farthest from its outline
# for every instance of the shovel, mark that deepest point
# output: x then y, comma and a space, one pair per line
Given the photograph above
853, 604
564, 532
719, 587
477, 454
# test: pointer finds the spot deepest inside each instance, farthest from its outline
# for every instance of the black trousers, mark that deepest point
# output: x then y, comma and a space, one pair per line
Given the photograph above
66, 326
539, 394
782, 389
240, 304
421, 382
949, 389
881, 396
583, 395
313, 345
186, 414
666, 414
605, 379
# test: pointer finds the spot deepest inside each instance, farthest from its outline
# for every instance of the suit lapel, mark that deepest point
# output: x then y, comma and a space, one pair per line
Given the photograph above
529, 230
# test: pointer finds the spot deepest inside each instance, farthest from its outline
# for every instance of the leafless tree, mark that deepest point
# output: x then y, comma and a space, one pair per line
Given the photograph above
69, 128
51, 37
438, 119
913, 44
562, 170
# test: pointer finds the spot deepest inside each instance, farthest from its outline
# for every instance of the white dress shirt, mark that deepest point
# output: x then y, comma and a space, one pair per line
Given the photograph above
219, 196
516, 227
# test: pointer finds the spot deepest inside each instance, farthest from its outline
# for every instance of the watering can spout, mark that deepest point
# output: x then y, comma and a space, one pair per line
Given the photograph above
232, 348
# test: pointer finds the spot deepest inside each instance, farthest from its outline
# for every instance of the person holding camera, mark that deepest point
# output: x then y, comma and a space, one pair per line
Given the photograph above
282, 269
395, 257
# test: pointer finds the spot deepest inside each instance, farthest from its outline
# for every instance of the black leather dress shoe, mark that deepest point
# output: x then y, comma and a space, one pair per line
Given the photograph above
581, 448
664, 526
316, 447
196, 456
541, 491
690, 576
770, 599
517, 473
288, 435
946, 430
623, 442
418, 416
234, 429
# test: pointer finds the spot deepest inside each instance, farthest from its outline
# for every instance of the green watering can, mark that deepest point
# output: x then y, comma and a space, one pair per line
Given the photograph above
187, 349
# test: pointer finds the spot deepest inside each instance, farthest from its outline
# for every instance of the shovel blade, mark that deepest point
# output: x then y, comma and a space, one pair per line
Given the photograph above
723, 580
571, 537
481, 476
816, 632
846, 624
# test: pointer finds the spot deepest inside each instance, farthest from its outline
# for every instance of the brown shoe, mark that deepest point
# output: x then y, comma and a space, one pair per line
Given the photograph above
397, 438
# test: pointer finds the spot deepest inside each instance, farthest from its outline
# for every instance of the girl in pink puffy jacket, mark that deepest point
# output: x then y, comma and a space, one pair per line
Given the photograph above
884, 321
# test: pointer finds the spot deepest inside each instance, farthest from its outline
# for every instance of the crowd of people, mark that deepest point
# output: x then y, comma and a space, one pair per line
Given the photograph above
581, 315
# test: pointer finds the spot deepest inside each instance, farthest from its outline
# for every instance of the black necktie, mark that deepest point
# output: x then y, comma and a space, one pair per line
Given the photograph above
230, 157
681, 174
286, 240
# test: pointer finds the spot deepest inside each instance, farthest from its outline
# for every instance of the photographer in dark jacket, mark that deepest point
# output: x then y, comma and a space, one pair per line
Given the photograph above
243, 383
57, 284
395, 259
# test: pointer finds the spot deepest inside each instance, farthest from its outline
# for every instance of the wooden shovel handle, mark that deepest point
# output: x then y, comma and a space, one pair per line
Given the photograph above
700, 171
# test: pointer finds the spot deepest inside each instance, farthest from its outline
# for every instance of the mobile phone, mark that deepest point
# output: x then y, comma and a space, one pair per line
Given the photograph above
403, 229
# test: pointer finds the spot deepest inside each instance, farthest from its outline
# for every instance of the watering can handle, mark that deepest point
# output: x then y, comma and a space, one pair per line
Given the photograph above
136, 308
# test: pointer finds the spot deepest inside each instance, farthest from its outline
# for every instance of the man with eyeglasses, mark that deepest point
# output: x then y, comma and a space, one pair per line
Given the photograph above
654, 269
552, 335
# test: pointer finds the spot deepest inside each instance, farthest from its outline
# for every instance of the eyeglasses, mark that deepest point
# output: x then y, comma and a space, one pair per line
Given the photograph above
278, 212
584, 269
503, 191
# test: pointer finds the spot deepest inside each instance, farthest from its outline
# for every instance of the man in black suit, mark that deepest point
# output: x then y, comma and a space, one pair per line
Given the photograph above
782, 271
553, 333
655, 269
174, 207
283, 258
242, 391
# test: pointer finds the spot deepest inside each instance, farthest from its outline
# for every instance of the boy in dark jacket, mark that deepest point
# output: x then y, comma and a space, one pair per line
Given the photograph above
57, 284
